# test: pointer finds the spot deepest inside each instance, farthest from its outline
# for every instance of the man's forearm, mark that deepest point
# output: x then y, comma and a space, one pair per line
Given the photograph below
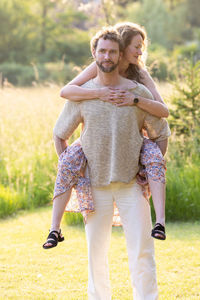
163, 146
59, 144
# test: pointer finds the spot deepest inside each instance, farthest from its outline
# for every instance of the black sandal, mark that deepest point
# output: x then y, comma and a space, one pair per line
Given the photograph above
158, 229
53, 239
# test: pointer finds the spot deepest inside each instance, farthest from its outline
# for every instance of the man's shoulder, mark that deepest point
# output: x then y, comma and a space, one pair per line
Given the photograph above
143, 91
127, 83
88, 84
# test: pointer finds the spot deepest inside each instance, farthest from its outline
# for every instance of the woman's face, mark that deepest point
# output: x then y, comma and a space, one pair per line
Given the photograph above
134, 50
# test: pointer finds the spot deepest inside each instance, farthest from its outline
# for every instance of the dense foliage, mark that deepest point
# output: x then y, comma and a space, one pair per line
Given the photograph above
28, 161
42, 42
37, 32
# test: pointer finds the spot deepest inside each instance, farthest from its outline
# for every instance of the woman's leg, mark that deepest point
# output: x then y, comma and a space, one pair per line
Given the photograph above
158, 197
153, 160
59, 204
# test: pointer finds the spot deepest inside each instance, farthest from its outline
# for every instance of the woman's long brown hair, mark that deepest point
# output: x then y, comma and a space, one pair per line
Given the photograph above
127, 31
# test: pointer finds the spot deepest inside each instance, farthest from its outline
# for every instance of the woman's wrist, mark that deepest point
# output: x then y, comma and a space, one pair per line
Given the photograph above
135, 100
98, 93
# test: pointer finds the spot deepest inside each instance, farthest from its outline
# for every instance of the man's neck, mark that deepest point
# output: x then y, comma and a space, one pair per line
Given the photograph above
108, 79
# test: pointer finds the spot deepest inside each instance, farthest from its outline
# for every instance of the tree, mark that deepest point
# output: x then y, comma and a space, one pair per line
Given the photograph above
193, 8
185, 115
16, 31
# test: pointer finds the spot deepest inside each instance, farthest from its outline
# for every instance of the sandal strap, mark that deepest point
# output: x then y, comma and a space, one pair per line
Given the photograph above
52, 238
159, 227
60, 236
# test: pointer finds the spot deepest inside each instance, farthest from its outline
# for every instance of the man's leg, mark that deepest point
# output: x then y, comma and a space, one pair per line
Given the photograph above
134, 211
98, 232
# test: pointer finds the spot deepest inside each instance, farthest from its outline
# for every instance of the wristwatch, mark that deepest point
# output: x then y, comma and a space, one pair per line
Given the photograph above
135, 101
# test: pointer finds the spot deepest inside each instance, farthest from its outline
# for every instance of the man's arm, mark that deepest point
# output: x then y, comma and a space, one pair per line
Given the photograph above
59, 144
158, 130
66, 124
73, 90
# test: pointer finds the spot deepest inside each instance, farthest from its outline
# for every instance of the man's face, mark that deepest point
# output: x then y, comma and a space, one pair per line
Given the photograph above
107, 55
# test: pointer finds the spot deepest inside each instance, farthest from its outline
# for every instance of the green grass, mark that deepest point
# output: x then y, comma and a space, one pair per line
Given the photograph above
28, 162
29, 272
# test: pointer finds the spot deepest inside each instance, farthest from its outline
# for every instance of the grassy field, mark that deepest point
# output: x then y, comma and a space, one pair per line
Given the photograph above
29, 272
28, 162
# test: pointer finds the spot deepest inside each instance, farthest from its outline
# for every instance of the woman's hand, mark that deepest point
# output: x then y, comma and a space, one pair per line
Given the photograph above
118, 97
108, 94
124, 98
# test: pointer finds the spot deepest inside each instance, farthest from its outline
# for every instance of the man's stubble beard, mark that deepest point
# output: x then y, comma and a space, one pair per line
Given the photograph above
107, 69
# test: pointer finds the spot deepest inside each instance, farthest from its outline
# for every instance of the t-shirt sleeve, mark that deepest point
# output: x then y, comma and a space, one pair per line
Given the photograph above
143, 91
157, 128
68, 120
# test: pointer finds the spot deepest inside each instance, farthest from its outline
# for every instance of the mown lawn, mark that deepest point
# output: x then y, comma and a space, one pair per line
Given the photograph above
29, 272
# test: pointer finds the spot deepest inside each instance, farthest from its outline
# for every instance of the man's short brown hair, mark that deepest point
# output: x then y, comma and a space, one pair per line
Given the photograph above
107, 33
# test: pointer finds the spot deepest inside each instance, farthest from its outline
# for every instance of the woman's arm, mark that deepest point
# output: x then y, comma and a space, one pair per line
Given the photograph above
73, 90
154, 108
148, 81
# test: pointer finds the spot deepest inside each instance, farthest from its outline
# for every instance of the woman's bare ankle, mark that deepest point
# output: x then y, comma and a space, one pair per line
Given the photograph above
161, 221
55, 228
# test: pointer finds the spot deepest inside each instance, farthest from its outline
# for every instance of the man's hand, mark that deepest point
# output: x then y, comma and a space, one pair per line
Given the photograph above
60, 145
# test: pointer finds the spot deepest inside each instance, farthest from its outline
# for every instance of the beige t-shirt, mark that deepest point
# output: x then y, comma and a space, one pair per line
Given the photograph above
111, 138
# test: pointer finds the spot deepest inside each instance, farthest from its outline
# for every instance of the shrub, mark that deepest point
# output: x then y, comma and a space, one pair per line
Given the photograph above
26, 75
188, 51
159, 63
17, 74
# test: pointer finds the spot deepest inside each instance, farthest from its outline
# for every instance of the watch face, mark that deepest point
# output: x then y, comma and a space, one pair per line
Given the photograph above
136, 100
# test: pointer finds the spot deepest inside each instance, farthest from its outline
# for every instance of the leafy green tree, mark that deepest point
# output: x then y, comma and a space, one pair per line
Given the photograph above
193, 8
42, 30
17, 40
185, 115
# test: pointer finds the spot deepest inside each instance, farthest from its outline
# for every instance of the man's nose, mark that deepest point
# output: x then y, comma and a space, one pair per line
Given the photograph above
107, 55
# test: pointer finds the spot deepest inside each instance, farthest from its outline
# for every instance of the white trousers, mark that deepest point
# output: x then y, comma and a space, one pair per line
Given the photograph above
134, 211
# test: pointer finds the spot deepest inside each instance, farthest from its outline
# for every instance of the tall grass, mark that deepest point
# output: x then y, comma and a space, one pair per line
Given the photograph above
28, 162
